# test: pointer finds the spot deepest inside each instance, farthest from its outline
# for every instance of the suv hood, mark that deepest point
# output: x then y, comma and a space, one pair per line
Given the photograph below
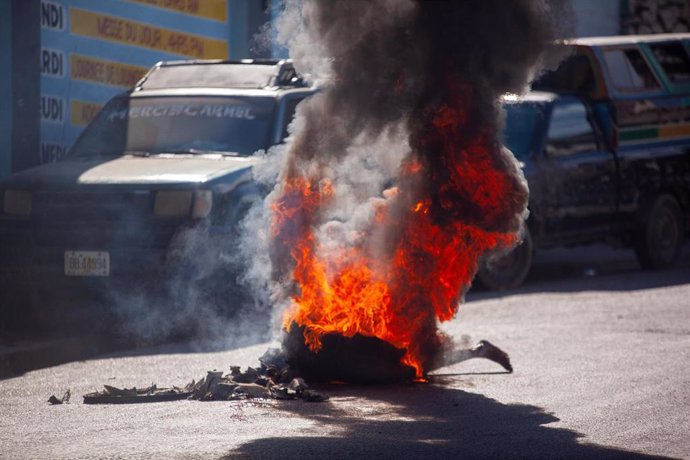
154, 170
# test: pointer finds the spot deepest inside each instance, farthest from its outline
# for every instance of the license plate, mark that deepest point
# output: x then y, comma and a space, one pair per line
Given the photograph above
87, 263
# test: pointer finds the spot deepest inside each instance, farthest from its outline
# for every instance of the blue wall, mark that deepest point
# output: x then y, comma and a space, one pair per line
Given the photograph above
246, 19
5, 86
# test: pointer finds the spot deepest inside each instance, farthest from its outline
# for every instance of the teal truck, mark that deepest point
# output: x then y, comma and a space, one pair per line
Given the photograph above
604, 142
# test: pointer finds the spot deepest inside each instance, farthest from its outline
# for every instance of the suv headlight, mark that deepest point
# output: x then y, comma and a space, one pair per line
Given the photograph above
16, 202
203, 203
183, 203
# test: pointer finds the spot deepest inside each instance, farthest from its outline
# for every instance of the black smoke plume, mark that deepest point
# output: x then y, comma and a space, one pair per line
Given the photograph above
400, 80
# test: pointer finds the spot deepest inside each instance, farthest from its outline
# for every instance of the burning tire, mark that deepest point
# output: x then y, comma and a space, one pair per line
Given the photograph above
507, 270
359, 360
660, 233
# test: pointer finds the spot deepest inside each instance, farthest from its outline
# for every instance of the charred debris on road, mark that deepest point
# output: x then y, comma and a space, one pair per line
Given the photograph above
273, 379
358, 360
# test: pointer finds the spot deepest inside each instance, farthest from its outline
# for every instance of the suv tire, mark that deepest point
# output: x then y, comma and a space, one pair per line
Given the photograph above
507, 271
660, 233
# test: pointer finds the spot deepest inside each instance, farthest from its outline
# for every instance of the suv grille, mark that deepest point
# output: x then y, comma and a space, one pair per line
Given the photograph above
84, 207
119, 222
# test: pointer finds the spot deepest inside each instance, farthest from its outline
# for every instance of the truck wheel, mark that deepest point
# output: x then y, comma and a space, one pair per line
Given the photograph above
660, 233
507, 271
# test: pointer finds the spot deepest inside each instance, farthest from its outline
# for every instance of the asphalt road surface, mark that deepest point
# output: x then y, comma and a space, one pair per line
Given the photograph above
601, 353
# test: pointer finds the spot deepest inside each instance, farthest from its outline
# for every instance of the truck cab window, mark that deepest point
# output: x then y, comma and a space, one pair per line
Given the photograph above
570, 131
522, 121
629, 71
673, 58
575, 74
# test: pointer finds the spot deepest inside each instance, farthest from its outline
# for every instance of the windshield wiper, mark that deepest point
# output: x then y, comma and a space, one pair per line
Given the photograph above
194, 151
137, 153
95, 154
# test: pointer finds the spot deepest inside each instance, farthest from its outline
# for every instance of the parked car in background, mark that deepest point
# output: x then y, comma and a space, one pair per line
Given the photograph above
605, 145
172, 154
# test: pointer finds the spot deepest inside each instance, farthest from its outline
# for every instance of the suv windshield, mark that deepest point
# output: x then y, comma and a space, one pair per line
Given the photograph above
236, 125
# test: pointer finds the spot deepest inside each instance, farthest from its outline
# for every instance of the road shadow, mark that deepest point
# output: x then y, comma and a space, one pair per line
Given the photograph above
188, 346
21, 355
592, 268
425, 421
77, 328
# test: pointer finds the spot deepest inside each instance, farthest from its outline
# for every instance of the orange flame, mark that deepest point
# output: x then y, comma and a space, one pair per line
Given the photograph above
396, 295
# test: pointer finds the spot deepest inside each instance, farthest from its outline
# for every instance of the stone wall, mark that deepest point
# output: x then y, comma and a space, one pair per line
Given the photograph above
656, 16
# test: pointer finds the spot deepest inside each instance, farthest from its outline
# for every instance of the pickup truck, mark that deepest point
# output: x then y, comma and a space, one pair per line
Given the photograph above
604, 143
142, 212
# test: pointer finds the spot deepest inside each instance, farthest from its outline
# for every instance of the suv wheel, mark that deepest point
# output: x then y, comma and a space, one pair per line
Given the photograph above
660, 233
506, 271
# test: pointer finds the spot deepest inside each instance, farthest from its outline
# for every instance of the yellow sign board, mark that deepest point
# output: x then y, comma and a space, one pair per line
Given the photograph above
111, 73
83, 112
119, 30
210, 9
